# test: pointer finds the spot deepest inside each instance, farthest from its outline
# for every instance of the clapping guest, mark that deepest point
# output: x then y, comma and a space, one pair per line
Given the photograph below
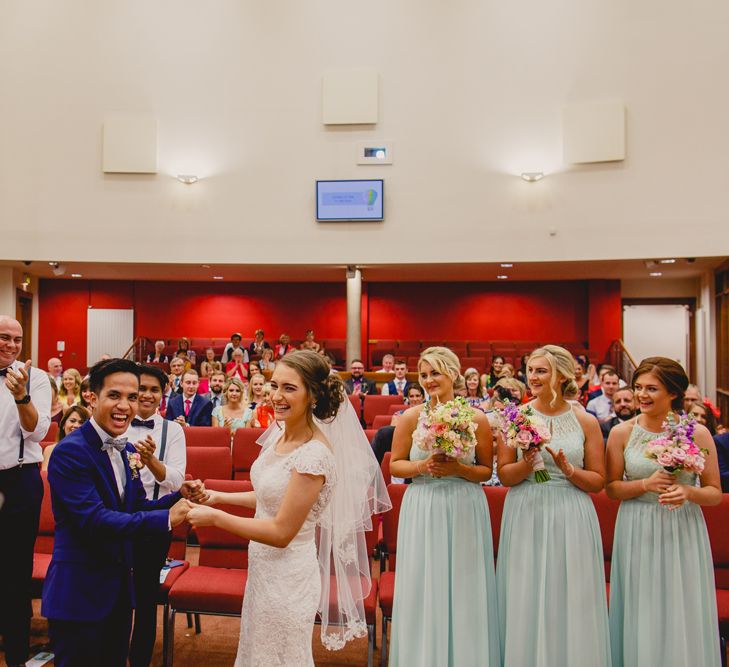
253, 368
75, 417
266, 361
177, 368
255, 390
388, 364
581, 378
309, 343
264, 410
183, 354
507, 371
236, 413
474, 397
216, 385
704, 416
283, 347
662, 590
86, 394
399, 384
70, 392
209, 364
183, 345
415, 396
237, 367
357, 383
258, 345
489, 379
158, 356
189, 408
235, 340
521, 371
55, 371
56, 405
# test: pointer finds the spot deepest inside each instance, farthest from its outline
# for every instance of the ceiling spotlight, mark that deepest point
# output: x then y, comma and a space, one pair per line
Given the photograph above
76, 275
666, 261
532, 176
58, 268
205, 266
506, 266
217, 277
502, 277
655, 274
187, 179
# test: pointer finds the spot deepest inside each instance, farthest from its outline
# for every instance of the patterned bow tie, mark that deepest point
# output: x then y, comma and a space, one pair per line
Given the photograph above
149, 423
4, 371
114, 443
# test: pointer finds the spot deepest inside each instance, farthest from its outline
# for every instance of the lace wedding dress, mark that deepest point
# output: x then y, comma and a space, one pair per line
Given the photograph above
284, 585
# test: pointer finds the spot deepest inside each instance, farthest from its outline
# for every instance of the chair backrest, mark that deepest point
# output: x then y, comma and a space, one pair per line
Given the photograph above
209, 462
370, 433
219, 548
385, 467
52, 433
390, 521
496, 496
207, 436
356, 401
376, 404
392, 409
381, 420
245, 451
47, 524
717, 518
178, 545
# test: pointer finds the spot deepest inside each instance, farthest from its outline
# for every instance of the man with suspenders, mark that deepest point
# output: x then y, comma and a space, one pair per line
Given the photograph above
25, 414
161, 445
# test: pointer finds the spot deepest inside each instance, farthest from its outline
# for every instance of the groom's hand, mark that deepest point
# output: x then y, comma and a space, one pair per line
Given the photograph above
194, 490
178, 512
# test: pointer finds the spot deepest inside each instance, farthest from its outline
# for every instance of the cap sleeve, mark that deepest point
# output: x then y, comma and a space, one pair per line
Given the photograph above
314, 459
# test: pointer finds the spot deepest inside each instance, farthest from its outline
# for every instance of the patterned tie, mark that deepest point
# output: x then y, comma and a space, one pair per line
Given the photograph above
114, 443
149, 423
187, 406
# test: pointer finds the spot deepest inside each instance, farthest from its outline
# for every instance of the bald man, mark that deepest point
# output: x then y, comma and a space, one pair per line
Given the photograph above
25, 408
55, 370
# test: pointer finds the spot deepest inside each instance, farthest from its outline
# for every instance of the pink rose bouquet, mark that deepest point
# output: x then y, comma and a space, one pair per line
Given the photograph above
447, 428
523, 429
676, 450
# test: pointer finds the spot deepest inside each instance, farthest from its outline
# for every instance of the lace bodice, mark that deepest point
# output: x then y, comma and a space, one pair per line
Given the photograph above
270, 474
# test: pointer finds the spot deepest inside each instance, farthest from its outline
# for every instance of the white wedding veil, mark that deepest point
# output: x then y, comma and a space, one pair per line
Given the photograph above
359, 493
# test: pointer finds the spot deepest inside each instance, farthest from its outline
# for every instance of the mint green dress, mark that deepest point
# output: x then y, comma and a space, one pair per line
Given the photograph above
550, 569
444, 610
662, 595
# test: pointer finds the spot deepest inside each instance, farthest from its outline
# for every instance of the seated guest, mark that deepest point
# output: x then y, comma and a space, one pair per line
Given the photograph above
624, 406
703, 414
70, 391
516, 389
602, 369
56, 405
177, 368
388, 364
55, 371
236, 413
237, 367
283, 347
309, 343
399, 384
183, 344
357, 384
74, 418
216, 385
264, 410
189, 408
256, 348
474, 397
255, 390
692, 396
167, 394
158, 356
209, 364
182, 354
415, 396
266, 362
583, 382
161, 446
253, 368
722, 454
85, 401
507, 371
602, 405
493, 375
234, 344
521, 371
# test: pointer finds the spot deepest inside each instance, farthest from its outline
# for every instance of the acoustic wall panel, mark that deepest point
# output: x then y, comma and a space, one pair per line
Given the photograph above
594, 132
108, 331
350, 97
130, 145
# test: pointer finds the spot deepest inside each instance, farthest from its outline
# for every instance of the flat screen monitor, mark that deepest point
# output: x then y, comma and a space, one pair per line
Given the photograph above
338, 201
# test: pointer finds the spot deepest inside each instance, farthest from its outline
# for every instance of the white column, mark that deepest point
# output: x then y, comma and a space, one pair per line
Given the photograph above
354, 316
706, 336
7, 291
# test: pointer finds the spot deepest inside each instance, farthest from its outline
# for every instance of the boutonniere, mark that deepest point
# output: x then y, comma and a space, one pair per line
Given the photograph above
135, 463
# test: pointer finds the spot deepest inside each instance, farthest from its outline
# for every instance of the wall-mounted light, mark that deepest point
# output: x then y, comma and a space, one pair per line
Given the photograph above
532, 176
76, 275
655, 274
667, 261
502, 277
217, 277
187, 179
506, 266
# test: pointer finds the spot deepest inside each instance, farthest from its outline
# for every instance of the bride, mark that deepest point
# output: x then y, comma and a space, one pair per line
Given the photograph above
316, 484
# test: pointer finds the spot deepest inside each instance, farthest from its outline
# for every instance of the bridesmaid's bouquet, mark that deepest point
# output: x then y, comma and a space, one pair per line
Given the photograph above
676, 450
523, 429
447, 428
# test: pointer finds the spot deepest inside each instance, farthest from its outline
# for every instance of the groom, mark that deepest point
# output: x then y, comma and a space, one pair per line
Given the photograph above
99, 505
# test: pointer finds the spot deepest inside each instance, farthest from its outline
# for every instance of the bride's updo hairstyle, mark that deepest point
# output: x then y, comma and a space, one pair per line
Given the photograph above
670, 373
443, 360
325, 391
562, 364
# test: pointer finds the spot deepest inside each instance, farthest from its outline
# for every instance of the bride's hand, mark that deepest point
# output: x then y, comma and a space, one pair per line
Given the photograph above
202, 516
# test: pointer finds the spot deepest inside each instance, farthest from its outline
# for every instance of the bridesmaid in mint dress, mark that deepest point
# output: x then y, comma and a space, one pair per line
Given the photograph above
550, 570
444, 611
662, 596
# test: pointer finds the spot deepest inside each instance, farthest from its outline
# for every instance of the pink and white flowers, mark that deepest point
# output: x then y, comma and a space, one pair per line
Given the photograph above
135, 463
447, 428
523, 429
676, 450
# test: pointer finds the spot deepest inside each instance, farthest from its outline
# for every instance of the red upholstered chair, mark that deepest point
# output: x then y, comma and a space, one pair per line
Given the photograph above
207, 436
245, 451
375, 404
385, 467
607, 514
209, 462
496, 496
215, 586
392, 409
413, 362
43, 548
717, 518
356, 401
477, 362
51, 435
390, 522
370, 433
381, 420
177, 552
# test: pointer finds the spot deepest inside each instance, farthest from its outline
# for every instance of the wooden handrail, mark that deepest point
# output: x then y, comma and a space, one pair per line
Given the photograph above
620, 342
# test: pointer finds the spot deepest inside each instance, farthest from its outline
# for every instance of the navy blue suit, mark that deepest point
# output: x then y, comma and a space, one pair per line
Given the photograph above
88, 592
201, 410
722, 454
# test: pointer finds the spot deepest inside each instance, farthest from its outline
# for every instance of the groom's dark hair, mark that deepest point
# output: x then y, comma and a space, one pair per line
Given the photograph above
99, 371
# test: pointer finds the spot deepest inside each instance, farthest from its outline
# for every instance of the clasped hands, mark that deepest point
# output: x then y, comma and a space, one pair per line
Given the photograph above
193, 495
439, 465
669, 491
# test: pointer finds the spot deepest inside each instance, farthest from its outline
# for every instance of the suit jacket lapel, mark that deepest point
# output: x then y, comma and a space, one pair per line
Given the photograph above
102, 461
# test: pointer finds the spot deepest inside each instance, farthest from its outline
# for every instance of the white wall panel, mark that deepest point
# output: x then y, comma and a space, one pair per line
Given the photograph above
109, 331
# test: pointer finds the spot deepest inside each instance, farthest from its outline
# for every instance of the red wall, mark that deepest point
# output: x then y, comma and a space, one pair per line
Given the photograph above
557, 311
